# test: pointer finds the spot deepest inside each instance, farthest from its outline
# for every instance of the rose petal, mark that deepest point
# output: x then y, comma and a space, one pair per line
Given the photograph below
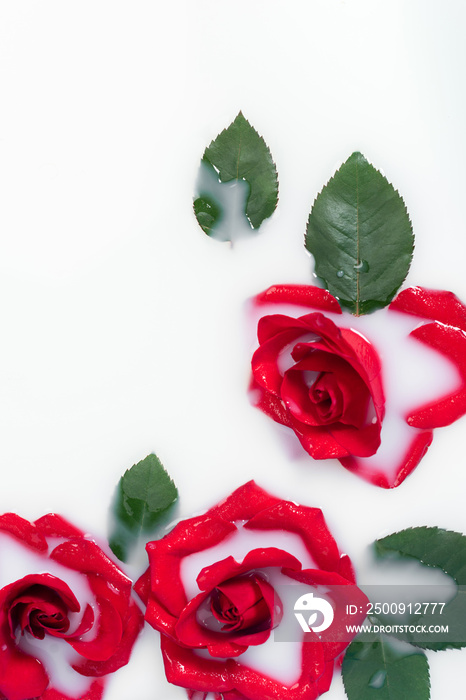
86, 557
95, 692
13, 590
283, 329
368, 365
21, 676
244, 503
271, 405
299, 295
185, 668
53, 525
213, 575
316, 677
133, 623
451, 342
165, 556
414, 453
189, 670
264, 362
433, 304
190, 633
359, 442
23, 530
307, 522
107, 638
318, 443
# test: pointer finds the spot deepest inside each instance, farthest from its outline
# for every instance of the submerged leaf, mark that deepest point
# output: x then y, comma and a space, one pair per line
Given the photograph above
361, 237
239, 156
445, 550
144, 494
376, 670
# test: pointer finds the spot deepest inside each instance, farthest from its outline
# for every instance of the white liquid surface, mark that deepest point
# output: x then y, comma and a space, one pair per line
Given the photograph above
231, 197
280, 661
56, 654
413, 374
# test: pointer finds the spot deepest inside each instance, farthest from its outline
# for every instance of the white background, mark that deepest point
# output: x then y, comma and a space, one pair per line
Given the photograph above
122, 326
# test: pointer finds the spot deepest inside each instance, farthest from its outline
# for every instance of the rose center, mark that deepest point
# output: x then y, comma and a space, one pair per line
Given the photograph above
38, 610
245, 604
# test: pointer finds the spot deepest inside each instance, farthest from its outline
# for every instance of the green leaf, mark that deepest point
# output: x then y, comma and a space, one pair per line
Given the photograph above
207, 212
445, 550
376, 670
361, 237
144, 494
238, 154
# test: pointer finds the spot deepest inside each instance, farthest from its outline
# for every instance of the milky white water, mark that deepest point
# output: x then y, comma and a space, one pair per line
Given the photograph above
281, 661
231, 198
56, 655
413, 374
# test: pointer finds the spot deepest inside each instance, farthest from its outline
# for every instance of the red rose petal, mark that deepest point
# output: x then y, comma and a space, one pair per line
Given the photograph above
86, 556
307, 522
132, 625
107, 638
283, 329
213, 575
256, 686
21, 676
244, 503
299, 295
264, 363
318, 443
451, 342
189, 670
190, 633
268, 403
346, 569
413, 455
53, 525
165, 556
142, 586
13, 590
433, 304
359, 442
95, 692
24, 531
160, 619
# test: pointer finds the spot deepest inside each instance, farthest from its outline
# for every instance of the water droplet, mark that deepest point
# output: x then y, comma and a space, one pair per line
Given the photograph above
378, 679
362, 266
340, 273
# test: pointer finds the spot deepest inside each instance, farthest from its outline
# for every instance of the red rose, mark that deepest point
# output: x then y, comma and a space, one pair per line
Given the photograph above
211, 590
67, 616
338, 380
